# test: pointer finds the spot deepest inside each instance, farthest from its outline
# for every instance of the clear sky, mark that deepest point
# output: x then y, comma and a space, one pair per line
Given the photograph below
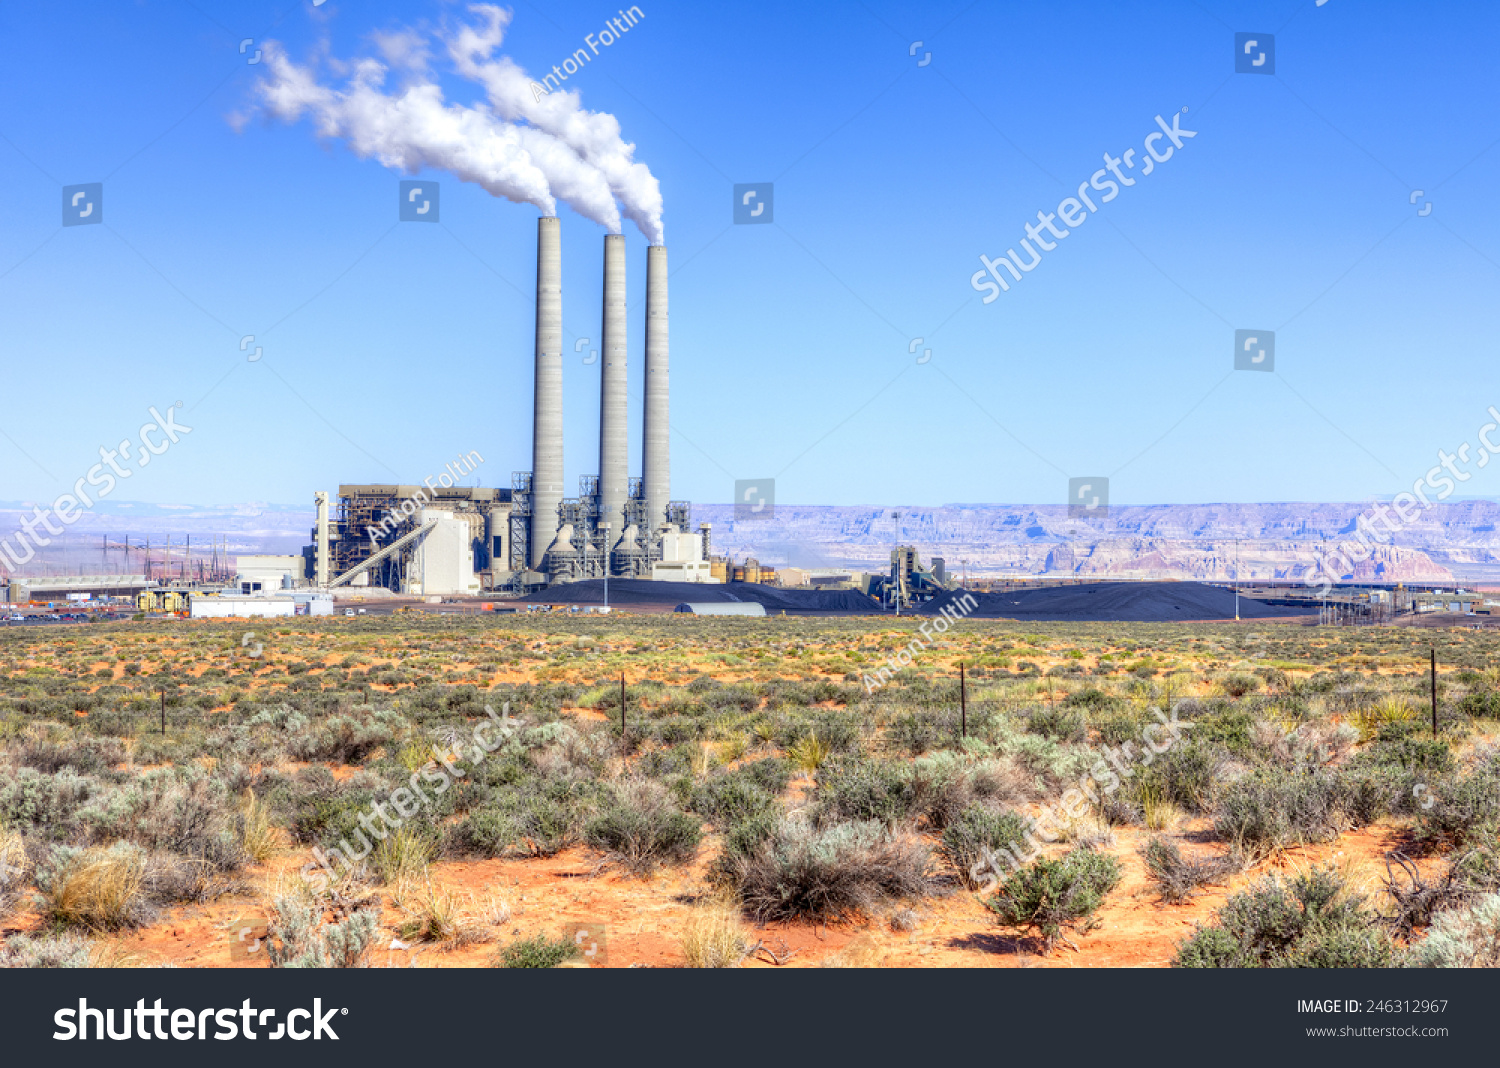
389, 348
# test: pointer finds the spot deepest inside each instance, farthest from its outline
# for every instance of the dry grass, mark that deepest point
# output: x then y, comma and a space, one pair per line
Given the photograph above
414, 755
435, 917
14, 867
112, 953
715, 936
495, 911
258, 834
701, 760
809, 753
401, 859
863, 951
99, 889
1159, 813
1391, 708
732, 748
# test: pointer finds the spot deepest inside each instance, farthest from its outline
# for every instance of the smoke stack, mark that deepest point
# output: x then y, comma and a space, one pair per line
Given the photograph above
656, 459
614, 447
547, 427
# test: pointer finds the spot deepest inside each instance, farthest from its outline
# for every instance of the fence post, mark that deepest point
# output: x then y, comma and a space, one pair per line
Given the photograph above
963, 703
1433, 678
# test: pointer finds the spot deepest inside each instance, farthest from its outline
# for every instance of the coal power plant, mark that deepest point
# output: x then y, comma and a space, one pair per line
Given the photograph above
440, 538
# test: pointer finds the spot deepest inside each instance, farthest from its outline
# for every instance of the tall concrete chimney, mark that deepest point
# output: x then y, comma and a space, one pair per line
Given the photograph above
547, 422
320, 561
614, 446
656, 459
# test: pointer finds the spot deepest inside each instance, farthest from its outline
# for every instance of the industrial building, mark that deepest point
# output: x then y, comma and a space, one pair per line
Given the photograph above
73, 587
722, 608
239, 606
441, 538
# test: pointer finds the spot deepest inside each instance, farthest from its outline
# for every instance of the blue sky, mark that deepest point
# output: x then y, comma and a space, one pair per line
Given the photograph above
388, 349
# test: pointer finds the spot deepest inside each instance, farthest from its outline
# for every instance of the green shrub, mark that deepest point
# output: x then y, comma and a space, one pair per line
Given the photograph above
1176, 876
1465, 810
297, 937
536, 822
46, 804
839, 731
1049, 896
917, 734
1239, 685
1226, 725
1312, 922
798, 871
1484, 704
1062, 723
54, 950
1267, 812
1461, 938
771, 774
641, 828
730, 798
1093, 700
1213, 947
538, 951
744, 838
866, 790
1407, 752
1116, 727
978, 832
1185, 775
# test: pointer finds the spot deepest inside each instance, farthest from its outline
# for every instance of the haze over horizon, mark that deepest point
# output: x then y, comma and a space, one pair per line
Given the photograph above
798, 347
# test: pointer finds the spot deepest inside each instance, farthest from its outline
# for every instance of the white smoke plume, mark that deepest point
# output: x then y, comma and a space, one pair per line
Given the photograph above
594, 135
557, 152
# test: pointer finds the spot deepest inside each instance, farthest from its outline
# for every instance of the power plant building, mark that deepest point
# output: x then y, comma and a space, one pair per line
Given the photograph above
442, 538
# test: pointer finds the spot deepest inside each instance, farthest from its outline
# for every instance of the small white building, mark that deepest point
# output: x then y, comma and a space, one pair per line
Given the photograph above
241, 606
264, 573
682, 559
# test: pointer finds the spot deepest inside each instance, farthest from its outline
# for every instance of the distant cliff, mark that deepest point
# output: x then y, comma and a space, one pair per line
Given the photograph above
1451, 542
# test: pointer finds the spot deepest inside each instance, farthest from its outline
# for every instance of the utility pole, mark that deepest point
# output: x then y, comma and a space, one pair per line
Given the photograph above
1236, 580
622, 706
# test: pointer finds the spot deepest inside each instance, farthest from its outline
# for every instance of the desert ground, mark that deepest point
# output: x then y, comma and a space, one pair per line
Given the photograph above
1260, 794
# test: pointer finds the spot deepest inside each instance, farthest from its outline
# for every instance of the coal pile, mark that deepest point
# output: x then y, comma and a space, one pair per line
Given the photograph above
1117, 602
635, 592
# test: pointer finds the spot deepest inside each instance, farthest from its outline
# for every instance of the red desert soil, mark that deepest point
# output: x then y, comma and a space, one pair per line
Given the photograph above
643, 917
